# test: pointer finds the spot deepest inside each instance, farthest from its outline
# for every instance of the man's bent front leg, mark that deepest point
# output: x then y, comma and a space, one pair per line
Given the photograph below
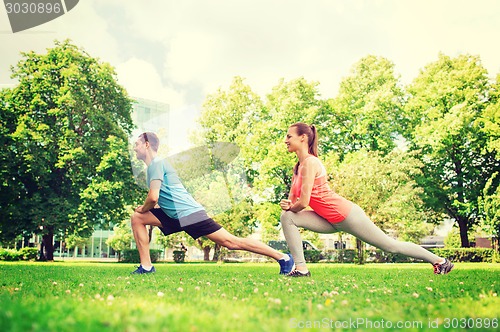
139, 221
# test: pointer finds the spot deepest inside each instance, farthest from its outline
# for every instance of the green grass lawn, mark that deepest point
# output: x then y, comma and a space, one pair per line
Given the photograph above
70, 296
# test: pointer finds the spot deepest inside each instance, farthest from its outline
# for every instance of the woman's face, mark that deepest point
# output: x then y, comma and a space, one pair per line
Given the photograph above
293, 141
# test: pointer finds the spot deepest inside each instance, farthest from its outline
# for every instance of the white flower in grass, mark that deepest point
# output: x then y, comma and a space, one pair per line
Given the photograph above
429, 289
235, 298
223, 295
68, 291
266, 293
54, 283
197, 288
345, 302
368, 300
80, 285
319, 306
180, 289
290, 290
255, 290
97, 296
160, 294
461, 283
110, 297
415, 295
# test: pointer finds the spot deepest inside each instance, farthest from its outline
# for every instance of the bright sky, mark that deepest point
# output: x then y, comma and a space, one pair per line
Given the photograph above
177, 52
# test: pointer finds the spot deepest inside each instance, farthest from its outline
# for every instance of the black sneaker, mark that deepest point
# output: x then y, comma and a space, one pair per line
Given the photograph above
298, 274
286, 266
444, 268
140, 270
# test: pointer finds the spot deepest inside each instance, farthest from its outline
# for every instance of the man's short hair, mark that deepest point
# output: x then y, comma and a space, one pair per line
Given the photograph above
150, 137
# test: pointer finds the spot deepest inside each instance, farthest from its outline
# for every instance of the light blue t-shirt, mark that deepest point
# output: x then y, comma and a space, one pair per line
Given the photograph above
174, 199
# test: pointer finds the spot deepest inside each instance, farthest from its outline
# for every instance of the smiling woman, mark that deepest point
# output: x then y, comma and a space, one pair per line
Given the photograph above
331, 212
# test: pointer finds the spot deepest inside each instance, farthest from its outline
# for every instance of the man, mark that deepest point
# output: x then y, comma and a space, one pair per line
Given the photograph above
170, 207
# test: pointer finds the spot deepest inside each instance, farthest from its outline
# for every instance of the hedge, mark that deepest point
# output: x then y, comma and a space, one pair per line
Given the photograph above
132, 255
26, 253
378, 256
468, 254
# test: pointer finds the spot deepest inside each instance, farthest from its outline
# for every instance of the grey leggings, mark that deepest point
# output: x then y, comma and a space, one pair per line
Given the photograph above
357, 223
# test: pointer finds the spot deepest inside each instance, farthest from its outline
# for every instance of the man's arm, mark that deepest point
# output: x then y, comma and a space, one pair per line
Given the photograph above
152, 198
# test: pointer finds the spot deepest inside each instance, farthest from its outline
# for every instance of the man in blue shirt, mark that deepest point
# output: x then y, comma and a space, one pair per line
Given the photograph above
170, 207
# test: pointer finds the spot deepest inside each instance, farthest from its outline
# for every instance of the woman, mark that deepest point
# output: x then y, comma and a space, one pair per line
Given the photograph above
330, 212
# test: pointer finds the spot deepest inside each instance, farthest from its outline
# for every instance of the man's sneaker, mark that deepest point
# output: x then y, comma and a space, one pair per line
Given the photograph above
286, 266
298, 274
140, 270
444, 268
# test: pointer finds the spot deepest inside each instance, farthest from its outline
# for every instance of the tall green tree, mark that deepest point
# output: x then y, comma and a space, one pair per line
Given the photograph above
490, 126
228, 116
385, 188
447, 101
289, 102
70, 117
368, 111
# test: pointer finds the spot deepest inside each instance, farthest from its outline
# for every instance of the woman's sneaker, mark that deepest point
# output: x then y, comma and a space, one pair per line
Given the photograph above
444, 268
298, 274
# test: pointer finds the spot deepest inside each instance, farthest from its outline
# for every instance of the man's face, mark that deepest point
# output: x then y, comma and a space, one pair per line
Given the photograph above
140, 149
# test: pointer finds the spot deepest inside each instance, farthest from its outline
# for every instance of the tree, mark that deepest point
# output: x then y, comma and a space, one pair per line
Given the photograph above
447, 101
70, 113
288, 103
384, 187
490, 201
121, 238
227, 116
368, 112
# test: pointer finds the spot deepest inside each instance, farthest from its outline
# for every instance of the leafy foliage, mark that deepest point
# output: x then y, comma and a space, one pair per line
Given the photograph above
66, 141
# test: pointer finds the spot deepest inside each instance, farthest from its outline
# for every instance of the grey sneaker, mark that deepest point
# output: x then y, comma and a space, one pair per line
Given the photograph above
444, 268
140, 270
298, 274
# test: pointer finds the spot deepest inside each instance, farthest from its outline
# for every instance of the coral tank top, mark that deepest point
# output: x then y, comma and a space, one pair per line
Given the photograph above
324, 201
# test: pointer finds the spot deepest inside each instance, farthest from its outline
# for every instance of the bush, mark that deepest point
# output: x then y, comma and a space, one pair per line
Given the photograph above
466, 254
132, 255
341, 255
179, 256
10, 255
380, 256
28, 253
312, 256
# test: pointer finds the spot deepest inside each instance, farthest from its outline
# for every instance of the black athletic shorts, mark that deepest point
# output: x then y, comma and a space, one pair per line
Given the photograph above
170, 225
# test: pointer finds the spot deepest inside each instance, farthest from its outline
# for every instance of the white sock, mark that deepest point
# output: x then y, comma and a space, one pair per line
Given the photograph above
286, 258
147, 268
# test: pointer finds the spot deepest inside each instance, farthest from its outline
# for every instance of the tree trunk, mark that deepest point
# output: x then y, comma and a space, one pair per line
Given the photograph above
216, 253
48, 245
464, 238
361, 251
206, 253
